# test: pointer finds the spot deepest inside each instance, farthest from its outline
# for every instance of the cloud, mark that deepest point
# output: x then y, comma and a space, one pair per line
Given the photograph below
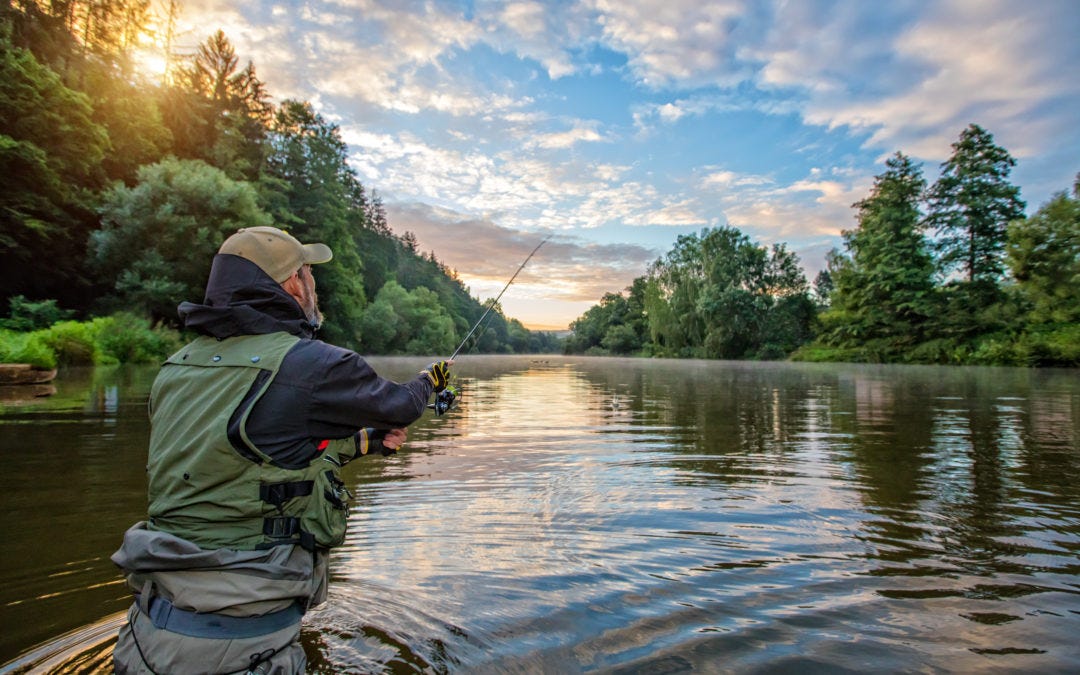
565, 139
538, 31
535, 192
552, 116
915, 88
804, 212
679, 42
486, 255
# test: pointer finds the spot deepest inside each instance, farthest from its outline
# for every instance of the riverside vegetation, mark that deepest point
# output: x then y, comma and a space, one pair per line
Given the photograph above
118, 190
951, 273
126, 204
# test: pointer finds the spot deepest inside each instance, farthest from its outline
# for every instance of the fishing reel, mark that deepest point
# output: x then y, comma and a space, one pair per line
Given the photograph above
446, 400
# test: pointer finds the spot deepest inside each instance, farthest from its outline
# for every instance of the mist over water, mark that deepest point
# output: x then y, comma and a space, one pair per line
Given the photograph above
619, 515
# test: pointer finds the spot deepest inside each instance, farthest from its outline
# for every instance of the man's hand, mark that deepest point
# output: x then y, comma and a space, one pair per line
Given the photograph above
439, 374
394, 439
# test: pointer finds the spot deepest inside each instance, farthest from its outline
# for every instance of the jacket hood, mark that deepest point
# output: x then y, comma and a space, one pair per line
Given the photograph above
241, 299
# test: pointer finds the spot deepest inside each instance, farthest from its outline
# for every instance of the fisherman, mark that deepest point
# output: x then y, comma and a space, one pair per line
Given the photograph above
250, 425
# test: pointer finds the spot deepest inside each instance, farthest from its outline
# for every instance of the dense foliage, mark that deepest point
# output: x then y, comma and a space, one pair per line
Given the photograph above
954, 273
715, 295
947, 273
118, 190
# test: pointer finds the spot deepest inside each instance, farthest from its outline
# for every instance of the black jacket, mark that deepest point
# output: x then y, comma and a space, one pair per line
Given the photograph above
321, 391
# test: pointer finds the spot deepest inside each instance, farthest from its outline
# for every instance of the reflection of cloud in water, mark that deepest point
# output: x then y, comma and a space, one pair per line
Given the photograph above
575, 511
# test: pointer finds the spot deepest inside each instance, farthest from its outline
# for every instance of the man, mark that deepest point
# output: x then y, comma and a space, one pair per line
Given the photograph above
250, 424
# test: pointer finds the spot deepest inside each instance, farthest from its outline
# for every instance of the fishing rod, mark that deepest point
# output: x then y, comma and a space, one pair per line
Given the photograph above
446, 398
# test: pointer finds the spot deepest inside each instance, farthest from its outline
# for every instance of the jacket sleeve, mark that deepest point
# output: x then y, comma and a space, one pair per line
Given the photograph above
348, 392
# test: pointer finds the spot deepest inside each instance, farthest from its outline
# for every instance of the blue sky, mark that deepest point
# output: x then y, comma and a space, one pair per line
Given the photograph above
618, 125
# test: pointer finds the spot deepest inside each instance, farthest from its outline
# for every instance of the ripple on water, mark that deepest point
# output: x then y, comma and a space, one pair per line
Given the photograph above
621, 516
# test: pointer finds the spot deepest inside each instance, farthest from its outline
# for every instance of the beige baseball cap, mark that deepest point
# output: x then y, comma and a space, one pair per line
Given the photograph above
275, 251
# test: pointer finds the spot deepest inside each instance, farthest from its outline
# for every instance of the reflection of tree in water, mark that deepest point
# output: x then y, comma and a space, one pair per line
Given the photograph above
736, 422
887, 416
1049, 460
941, 458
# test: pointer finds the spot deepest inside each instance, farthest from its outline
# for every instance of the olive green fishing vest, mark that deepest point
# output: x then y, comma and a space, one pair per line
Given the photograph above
208, 482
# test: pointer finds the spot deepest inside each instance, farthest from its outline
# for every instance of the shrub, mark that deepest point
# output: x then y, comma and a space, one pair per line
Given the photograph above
126, 338
26, 348
73, 342
120, 338
939, 350
822, 353
997, 350
1052, 346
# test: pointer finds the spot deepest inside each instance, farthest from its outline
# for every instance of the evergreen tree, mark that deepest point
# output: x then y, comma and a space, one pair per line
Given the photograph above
884, 289
309, 186
218, 112
971, 205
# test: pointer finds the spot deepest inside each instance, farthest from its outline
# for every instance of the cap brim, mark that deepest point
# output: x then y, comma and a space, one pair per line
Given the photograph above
315, 254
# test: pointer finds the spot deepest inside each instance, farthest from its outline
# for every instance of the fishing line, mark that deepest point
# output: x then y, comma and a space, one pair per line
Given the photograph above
496, 300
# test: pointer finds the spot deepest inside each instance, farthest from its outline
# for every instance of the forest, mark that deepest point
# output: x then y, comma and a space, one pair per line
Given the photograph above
118, 190
946, 273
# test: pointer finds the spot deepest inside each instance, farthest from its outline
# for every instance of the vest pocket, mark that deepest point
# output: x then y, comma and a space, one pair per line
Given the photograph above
328, 514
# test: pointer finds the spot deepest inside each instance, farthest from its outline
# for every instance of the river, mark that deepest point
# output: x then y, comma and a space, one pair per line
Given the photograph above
582, 514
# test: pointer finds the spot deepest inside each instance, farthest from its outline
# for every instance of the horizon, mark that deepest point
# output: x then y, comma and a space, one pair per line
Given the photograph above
616, 128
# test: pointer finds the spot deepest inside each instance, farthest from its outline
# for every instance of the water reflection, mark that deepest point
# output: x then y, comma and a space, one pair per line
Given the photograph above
620, 515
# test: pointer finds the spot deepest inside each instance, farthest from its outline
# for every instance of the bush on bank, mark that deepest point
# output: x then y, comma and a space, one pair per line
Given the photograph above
119, 338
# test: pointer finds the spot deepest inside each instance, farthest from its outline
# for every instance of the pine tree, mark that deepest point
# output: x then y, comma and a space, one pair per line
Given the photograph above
884, 288
971, 205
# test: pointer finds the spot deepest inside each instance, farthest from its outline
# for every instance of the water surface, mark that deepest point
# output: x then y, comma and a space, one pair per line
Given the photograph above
619, 515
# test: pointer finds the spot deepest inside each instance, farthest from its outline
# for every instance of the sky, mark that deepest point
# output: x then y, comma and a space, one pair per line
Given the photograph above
616, 126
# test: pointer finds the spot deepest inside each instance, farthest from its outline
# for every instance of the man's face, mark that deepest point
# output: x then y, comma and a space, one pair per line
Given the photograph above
309, 300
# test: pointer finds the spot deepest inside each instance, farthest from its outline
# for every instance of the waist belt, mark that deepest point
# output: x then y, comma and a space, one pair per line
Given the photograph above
167, 616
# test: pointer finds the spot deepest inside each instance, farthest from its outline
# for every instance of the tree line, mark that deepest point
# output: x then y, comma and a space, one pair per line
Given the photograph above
952, 272
118, 190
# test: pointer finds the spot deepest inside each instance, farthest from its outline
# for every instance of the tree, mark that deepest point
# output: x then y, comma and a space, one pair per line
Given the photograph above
310, 188
50, 157
218, 112
158, 237
603, 327
971, 205
407, 322
884, 290
133, 120
715, 296
823, 288
1044, 255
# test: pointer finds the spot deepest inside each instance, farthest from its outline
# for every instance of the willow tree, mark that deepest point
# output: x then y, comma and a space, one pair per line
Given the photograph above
721, 295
